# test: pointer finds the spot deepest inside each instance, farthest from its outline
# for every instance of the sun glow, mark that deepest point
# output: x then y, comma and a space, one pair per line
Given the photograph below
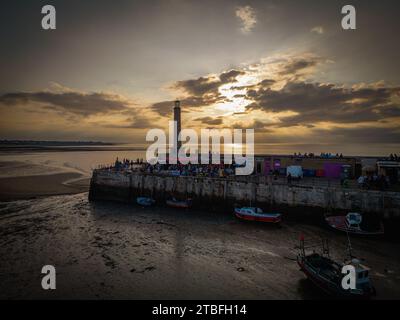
234, 94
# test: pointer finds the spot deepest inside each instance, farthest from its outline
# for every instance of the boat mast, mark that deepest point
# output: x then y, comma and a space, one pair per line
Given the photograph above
325, 247
302, 248
349, 248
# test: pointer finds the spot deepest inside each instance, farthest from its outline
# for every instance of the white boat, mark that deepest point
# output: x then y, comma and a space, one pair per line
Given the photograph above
351, 223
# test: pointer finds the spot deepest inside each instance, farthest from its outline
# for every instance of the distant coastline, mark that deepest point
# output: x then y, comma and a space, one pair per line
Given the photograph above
54, 143
67, 146
261, 149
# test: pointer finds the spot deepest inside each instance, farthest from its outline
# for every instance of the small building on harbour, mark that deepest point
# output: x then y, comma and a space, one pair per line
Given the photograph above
329, 167
335, 167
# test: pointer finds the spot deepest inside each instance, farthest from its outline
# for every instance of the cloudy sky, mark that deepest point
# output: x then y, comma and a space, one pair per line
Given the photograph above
111, 70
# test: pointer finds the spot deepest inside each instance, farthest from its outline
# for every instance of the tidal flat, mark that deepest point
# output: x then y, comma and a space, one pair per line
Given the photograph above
122, 251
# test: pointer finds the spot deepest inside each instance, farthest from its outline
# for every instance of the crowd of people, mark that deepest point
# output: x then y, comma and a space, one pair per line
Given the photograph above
322, 155
123, 165
368, 181
393, 157
210, 170
374, 181
126, 164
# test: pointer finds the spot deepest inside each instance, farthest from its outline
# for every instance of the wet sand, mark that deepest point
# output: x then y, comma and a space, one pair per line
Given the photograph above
123, 251
39, 186
20, 180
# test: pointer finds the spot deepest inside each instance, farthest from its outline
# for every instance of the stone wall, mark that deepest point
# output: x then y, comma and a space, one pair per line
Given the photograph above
215, 193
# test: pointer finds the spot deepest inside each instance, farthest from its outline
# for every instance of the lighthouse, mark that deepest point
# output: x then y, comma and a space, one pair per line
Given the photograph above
177, 119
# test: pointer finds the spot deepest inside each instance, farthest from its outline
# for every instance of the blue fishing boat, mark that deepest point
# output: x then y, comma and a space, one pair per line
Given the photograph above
144, 201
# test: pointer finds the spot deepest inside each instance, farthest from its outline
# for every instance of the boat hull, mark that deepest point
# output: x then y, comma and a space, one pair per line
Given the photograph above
329, 287
339, 223
178, 204
275, 218
146, 202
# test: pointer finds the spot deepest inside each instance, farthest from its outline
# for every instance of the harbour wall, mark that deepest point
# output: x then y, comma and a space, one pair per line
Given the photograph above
224, 193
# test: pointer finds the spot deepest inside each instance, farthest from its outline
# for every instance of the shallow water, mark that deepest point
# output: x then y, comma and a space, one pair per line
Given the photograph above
81, 161
109, 250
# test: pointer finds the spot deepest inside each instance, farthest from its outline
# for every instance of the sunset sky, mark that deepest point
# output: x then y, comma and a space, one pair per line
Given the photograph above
112, 69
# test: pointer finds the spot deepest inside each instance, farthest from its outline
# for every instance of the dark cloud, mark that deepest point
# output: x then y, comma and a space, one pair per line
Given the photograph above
200, 86
75, 103
390, 111
298, 66
363, 135
135, 122
350, 136
207, 85
258, 125
202, 91
165, 108
266, 83
315, 102
230, 76
210, 121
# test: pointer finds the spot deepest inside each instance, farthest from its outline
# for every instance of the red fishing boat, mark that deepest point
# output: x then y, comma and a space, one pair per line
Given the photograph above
184, 204
256, 214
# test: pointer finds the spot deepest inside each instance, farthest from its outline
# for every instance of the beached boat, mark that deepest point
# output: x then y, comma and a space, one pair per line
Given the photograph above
182, 204
256, 214
351, 223
327, 274
144, 201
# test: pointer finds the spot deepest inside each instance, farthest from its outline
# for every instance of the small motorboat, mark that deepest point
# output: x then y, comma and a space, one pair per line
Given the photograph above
351, 223
144, 201
256, 214
326, 274
182, 204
